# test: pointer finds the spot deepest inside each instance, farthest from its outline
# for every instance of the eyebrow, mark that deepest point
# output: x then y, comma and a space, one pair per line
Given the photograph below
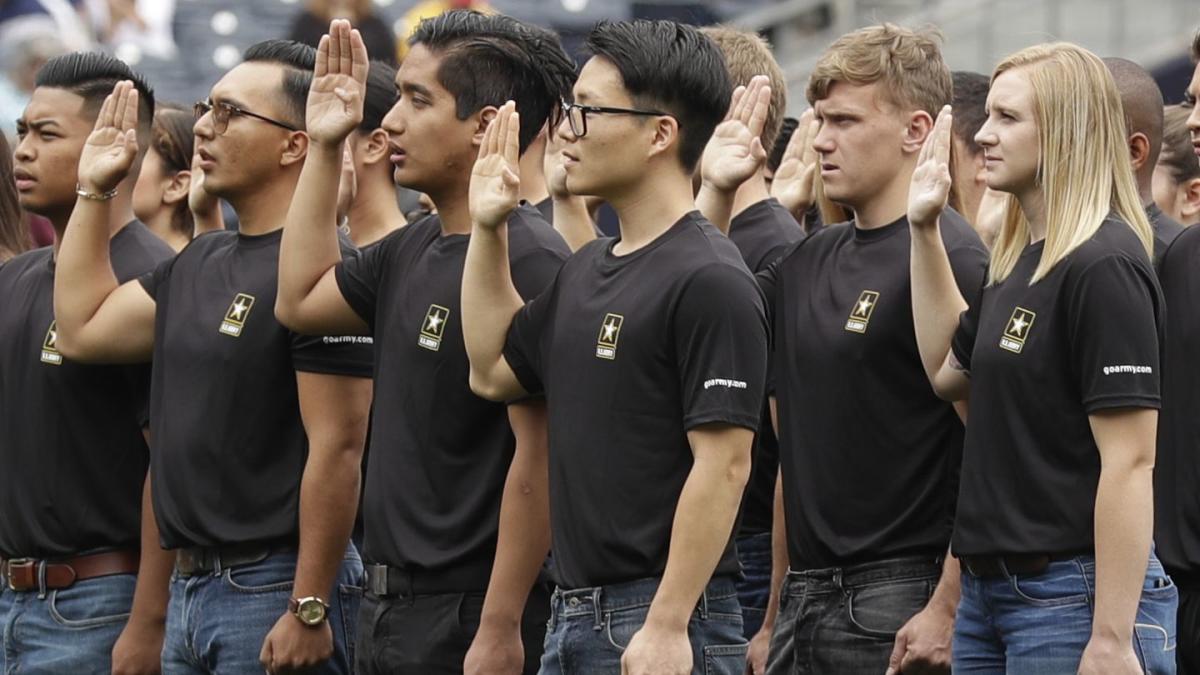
228, 100
415, 88
36, 124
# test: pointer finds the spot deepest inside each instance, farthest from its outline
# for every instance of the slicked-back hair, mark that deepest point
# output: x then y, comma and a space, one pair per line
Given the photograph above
298, 60
671, 67
381, 94
92, 76
487, 59
970, 106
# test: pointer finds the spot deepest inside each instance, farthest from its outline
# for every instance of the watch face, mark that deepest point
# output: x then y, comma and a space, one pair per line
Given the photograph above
311, 611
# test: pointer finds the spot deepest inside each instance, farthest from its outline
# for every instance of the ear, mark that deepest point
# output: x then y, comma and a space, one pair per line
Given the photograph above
1189, 200
295, 148
1139, 150
375, 147
979, 168
483, 118
177, 187
664, 135
918, 128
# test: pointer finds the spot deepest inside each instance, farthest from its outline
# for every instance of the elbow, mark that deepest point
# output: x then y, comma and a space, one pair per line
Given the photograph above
737, 470
483, 386
287, 313
68, 345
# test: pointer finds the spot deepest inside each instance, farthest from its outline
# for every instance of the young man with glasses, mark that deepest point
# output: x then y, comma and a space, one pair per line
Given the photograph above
452, 477
651, 350
257, 431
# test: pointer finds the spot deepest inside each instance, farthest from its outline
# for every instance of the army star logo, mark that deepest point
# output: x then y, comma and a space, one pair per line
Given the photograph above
235, 316
1017, 330
860, 314
610, 331
432, 327
50, 346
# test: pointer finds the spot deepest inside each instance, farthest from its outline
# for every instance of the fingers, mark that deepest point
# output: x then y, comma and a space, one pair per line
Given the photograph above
129, 120
335, 46
122, 100
735, 103
489, 135
512, 139
898, 650
760, 105
322, 67
345, 55
360, 61
809, 151
946, 122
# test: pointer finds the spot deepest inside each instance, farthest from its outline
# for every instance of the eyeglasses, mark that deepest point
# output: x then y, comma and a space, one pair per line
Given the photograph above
576, 115
222, 111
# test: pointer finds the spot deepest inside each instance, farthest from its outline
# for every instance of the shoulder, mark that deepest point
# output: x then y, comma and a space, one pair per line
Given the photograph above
957, 233
1183, 250
136, 240
1114, 239
823, 240
529, 232
18, 265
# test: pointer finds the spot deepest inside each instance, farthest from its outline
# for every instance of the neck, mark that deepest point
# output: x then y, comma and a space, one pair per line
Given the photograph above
750, 193
651, 207
1146, 194
1033, 205
374, 213
264, 210
120, 213
533, 177
453, 208
886, 206
161, 224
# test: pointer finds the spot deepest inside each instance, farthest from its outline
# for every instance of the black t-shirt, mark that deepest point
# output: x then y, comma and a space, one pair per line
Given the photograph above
72, 455
1165, 230
439, 454
762, 232
868, 452
632, 352
229, 445
1041, 359
1177, 468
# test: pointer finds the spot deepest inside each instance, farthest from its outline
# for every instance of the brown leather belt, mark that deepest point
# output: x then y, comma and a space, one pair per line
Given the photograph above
1024, 564
23, 574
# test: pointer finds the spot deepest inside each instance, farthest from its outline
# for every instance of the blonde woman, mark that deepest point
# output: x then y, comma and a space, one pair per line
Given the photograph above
1059, 354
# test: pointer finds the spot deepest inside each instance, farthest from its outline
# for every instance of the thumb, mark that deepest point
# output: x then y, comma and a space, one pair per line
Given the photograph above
511, 179
897, 654
756, 149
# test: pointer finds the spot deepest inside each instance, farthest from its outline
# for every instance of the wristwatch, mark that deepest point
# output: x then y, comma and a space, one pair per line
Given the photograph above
311, 611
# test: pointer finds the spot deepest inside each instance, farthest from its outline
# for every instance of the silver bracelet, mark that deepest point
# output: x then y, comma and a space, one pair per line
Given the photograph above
95, 196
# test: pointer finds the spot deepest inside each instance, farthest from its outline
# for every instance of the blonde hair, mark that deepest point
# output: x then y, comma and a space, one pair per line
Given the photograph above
908, 64
747, 54
1083, 157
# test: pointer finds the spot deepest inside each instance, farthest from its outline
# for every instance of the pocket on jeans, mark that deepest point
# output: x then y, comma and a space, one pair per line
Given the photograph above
620, 626
725, 659
260, 579
1155, 625
350, 597
1053, 588
880, 610
93, 603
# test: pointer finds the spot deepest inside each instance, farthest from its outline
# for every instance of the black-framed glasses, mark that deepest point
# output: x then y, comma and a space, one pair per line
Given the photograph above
576, 115
222, 111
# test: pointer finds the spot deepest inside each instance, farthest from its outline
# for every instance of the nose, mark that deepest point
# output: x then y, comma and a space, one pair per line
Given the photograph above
984, 137
203, 127
823, 141
24, 150
393, 121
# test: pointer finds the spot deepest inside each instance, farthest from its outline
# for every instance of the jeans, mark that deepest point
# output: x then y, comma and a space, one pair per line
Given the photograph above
1188, 631
217, 623
590, 627
754, 590
1040, 624
430, 634
844, 620
71, 630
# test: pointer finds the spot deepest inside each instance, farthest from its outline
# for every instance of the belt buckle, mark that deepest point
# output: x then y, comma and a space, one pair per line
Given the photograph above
377, 580
26, 565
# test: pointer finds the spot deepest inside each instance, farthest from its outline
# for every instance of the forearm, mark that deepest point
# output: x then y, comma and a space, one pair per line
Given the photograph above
779, 557
936, 300
84, 276
949, 587
573, 221
154, 571
704, 518
489, 302
310, 242
1124, 522
328, 502
716, 205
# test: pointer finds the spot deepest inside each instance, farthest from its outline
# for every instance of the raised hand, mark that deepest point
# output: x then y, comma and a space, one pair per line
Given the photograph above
794, 184
735, 150
335, 99
495, 179
930, 187
112, 146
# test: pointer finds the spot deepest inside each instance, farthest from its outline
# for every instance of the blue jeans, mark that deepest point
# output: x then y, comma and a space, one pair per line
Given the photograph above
216, 624
1035, 625
754, 590
72, 630
844, 619
590, 627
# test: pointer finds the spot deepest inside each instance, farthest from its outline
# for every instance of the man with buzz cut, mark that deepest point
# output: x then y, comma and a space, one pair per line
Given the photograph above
868, 453
451, 544
72, 542
651, 351
258, 431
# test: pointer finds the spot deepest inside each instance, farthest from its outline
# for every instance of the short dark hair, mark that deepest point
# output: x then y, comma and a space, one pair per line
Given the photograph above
298, 60
672, 67
488, 59
970, 106
381, 94
92, 76
786, 129
1196, 47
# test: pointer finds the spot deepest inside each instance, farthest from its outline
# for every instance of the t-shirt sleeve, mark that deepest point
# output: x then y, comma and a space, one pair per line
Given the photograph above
720, 342
151, 280
969, 265
351, 355
1112, 322
535, 271
523, 345
359, 276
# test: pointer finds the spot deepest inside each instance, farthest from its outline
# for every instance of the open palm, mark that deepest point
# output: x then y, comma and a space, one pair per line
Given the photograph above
795, 178
735, 150
335, 99
930, 187
112, 146
495, 181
